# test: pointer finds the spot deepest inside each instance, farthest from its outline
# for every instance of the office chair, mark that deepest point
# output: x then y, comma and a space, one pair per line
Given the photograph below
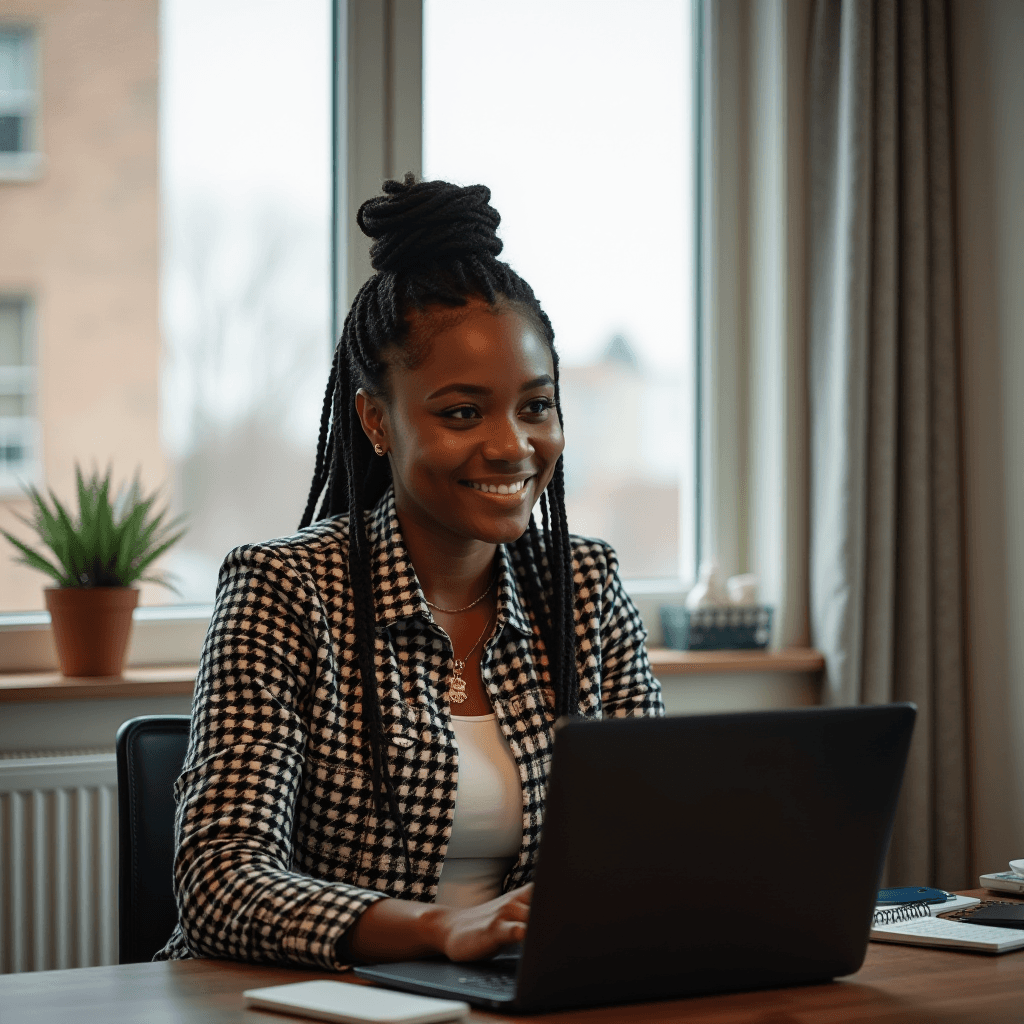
150, 754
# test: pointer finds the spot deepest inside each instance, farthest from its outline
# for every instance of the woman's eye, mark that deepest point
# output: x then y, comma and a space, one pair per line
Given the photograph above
538, 406
460, 412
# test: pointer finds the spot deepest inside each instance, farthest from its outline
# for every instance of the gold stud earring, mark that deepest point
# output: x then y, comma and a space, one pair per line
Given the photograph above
378, 449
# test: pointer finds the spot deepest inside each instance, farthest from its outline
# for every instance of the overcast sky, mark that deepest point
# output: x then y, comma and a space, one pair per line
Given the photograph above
245, 90
577, 114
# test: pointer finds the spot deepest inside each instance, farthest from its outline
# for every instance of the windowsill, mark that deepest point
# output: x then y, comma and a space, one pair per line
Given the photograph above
169, 681
165, 681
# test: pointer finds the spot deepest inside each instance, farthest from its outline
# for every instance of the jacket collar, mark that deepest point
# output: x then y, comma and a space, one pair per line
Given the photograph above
396, 590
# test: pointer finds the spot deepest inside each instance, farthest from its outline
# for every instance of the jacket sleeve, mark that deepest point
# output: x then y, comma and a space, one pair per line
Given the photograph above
628, 686
238, 895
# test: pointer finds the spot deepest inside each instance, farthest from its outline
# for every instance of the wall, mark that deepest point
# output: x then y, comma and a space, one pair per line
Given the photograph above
739, 691
37, 727
988, 39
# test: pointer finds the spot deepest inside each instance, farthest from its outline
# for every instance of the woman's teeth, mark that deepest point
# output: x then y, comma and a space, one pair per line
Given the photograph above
498, 488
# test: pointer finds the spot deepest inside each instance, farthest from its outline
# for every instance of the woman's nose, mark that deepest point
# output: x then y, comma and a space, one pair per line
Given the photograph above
508, 442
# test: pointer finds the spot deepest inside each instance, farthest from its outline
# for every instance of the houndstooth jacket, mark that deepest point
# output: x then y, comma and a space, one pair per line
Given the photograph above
278, 848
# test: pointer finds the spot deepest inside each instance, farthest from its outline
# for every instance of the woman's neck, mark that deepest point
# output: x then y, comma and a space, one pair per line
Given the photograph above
452, 571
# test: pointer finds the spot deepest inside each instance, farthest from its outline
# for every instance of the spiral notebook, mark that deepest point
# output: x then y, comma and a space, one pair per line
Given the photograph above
895, 913
916, 925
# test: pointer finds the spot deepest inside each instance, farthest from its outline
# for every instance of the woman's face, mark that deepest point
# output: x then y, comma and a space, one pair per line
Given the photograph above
471, 430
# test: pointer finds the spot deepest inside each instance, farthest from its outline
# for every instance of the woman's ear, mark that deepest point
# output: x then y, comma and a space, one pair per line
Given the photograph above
373, 416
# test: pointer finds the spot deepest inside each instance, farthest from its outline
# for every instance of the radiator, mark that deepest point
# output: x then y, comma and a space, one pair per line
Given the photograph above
58, 861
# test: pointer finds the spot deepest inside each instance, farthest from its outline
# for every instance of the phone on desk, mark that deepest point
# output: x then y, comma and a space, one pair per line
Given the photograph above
912, 894
345, 1003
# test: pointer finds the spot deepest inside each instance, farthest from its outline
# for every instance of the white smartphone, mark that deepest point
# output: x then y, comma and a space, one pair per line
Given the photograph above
1004, 881
353, 1004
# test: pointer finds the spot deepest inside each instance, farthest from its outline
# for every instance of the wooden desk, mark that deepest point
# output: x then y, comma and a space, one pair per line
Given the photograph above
903, 984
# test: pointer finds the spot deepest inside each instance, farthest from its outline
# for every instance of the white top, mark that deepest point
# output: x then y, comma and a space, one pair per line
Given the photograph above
488, 827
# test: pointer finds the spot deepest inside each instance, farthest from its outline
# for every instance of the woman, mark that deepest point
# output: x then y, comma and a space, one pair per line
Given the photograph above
321, 819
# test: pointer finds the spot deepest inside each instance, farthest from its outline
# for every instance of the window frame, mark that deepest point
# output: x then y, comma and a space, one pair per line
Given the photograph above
25, 164
377, 134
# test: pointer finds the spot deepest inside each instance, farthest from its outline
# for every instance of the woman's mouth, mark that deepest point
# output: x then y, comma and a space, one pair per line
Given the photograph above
510, 488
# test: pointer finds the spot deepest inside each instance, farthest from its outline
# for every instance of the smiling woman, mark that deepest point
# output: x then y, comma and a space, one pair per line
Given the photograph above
374, 709
472, 430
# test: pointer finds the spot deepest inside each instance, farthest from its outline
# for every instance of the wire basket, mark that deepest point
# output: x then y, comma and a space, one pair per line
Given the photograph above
729, 628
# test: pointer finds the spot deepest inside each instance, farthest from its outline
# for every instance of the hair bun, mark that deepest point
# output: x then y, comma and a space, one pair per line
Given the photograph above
416, 223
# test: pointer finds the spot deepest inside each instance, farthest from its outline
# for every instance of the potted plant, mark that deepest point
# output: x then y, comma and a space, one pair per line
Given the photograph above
95, 562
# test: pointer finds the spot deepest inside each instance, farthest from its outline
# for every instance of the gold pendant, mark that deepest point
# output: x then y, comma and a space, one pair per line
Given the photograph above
457, 687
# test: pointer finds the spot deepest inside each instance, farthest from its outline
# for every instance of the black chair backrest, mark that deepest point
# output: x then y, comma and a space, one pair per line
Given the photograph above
150, 754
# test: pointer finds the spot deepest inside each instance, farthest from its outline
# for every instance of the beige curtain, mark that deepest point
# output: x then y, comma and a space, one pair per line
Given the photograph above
886, 572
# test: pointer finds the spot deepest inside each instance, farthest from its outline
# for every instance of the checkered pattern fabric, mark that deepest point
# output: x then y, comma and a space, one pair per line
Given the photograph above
279, 849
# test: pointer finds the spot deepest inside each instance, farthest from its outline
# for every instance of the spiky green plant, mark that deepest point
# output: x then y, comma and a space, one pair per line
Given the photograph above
111, 544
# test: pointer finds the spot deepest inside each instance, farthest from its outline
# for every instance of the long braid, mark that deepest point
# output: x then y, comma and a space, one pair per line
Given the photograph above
361, 572
567, 702
435, 244
322, 461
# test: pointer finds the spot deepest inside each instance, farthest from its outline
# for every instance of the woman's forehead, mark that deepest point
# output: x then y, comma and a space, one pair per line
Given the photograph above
476, 340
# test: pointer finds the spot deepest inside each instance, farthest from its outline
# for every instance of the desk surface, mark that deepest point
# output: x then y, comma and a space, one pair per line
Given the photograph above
904, 984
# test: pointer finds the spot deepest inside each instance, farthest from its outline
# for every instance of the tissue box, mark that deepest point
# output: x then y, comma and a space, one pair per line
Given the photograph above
727, 628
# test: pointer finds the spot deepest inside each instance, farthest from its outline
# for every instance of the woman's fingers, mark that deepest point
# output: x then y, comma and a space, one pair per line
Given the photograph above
513, 931
517, 911
478, 932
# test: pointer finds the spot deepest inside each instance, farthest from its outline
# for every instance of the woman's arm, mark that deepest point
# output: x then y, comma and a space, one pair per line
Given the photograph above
238, 895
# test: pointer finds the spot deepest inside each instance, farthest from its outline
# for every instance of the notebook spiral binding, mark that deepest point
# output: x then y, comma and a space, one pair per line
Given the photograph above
904, 912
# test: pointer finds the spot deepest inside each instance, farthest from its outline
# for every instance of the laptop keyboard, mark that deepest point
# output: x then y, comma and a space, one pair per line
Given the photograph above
496, 980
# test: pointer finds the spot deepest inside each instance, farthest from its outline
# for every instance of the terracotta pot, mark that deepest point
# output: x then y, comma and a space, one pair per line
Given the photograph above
91, 627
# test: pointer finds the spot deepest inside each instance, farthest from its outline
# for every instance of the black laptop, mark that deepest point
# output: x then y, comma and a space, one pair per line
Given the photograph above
697, 854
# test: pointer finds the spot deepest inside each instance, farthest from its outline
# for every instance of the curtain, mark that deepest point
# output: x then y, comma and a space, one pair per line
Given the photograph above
885, 473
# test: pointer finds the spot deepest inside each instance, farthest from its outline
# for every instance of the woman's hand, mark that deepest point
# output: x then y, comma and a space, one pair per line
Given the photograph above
476, 932
403, 930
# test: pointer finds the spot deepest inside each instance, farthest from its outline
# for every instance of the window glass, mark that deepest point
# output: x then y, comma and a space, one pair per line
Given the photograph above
246, 166
17, 394
175, 246
17, 91
578, 116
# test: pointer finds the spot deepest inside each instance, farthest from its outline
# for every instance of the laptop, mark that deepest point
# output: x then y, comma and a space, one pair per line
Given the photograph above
692, 855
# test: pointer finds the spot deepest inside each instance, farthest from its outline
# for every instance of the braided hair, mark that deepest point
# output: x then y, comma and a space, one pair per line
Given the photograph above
434, 245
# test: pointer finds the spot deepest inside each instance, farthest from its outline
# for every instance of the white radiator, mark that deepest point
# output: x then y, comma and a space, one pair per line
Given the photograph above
58, 861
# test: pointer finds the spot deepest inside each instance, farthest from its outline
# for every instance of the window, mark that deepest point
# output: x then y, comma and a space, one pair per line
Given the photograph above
581, 124
18, 460
183, 325
18, 131
177, 256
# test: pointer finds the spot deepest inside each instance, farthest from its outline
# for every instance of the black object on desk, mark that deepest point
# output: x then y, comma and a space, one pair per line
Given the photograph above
1003, 915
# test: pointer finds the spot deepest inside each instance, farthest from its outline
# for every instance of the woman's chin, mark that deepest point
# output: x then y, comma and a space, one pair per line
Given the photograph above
504, 529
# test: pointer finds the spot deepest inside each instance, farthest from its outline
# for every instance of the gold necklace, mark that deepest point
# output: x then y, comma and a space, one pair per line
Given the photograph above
455, 611
457, 687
